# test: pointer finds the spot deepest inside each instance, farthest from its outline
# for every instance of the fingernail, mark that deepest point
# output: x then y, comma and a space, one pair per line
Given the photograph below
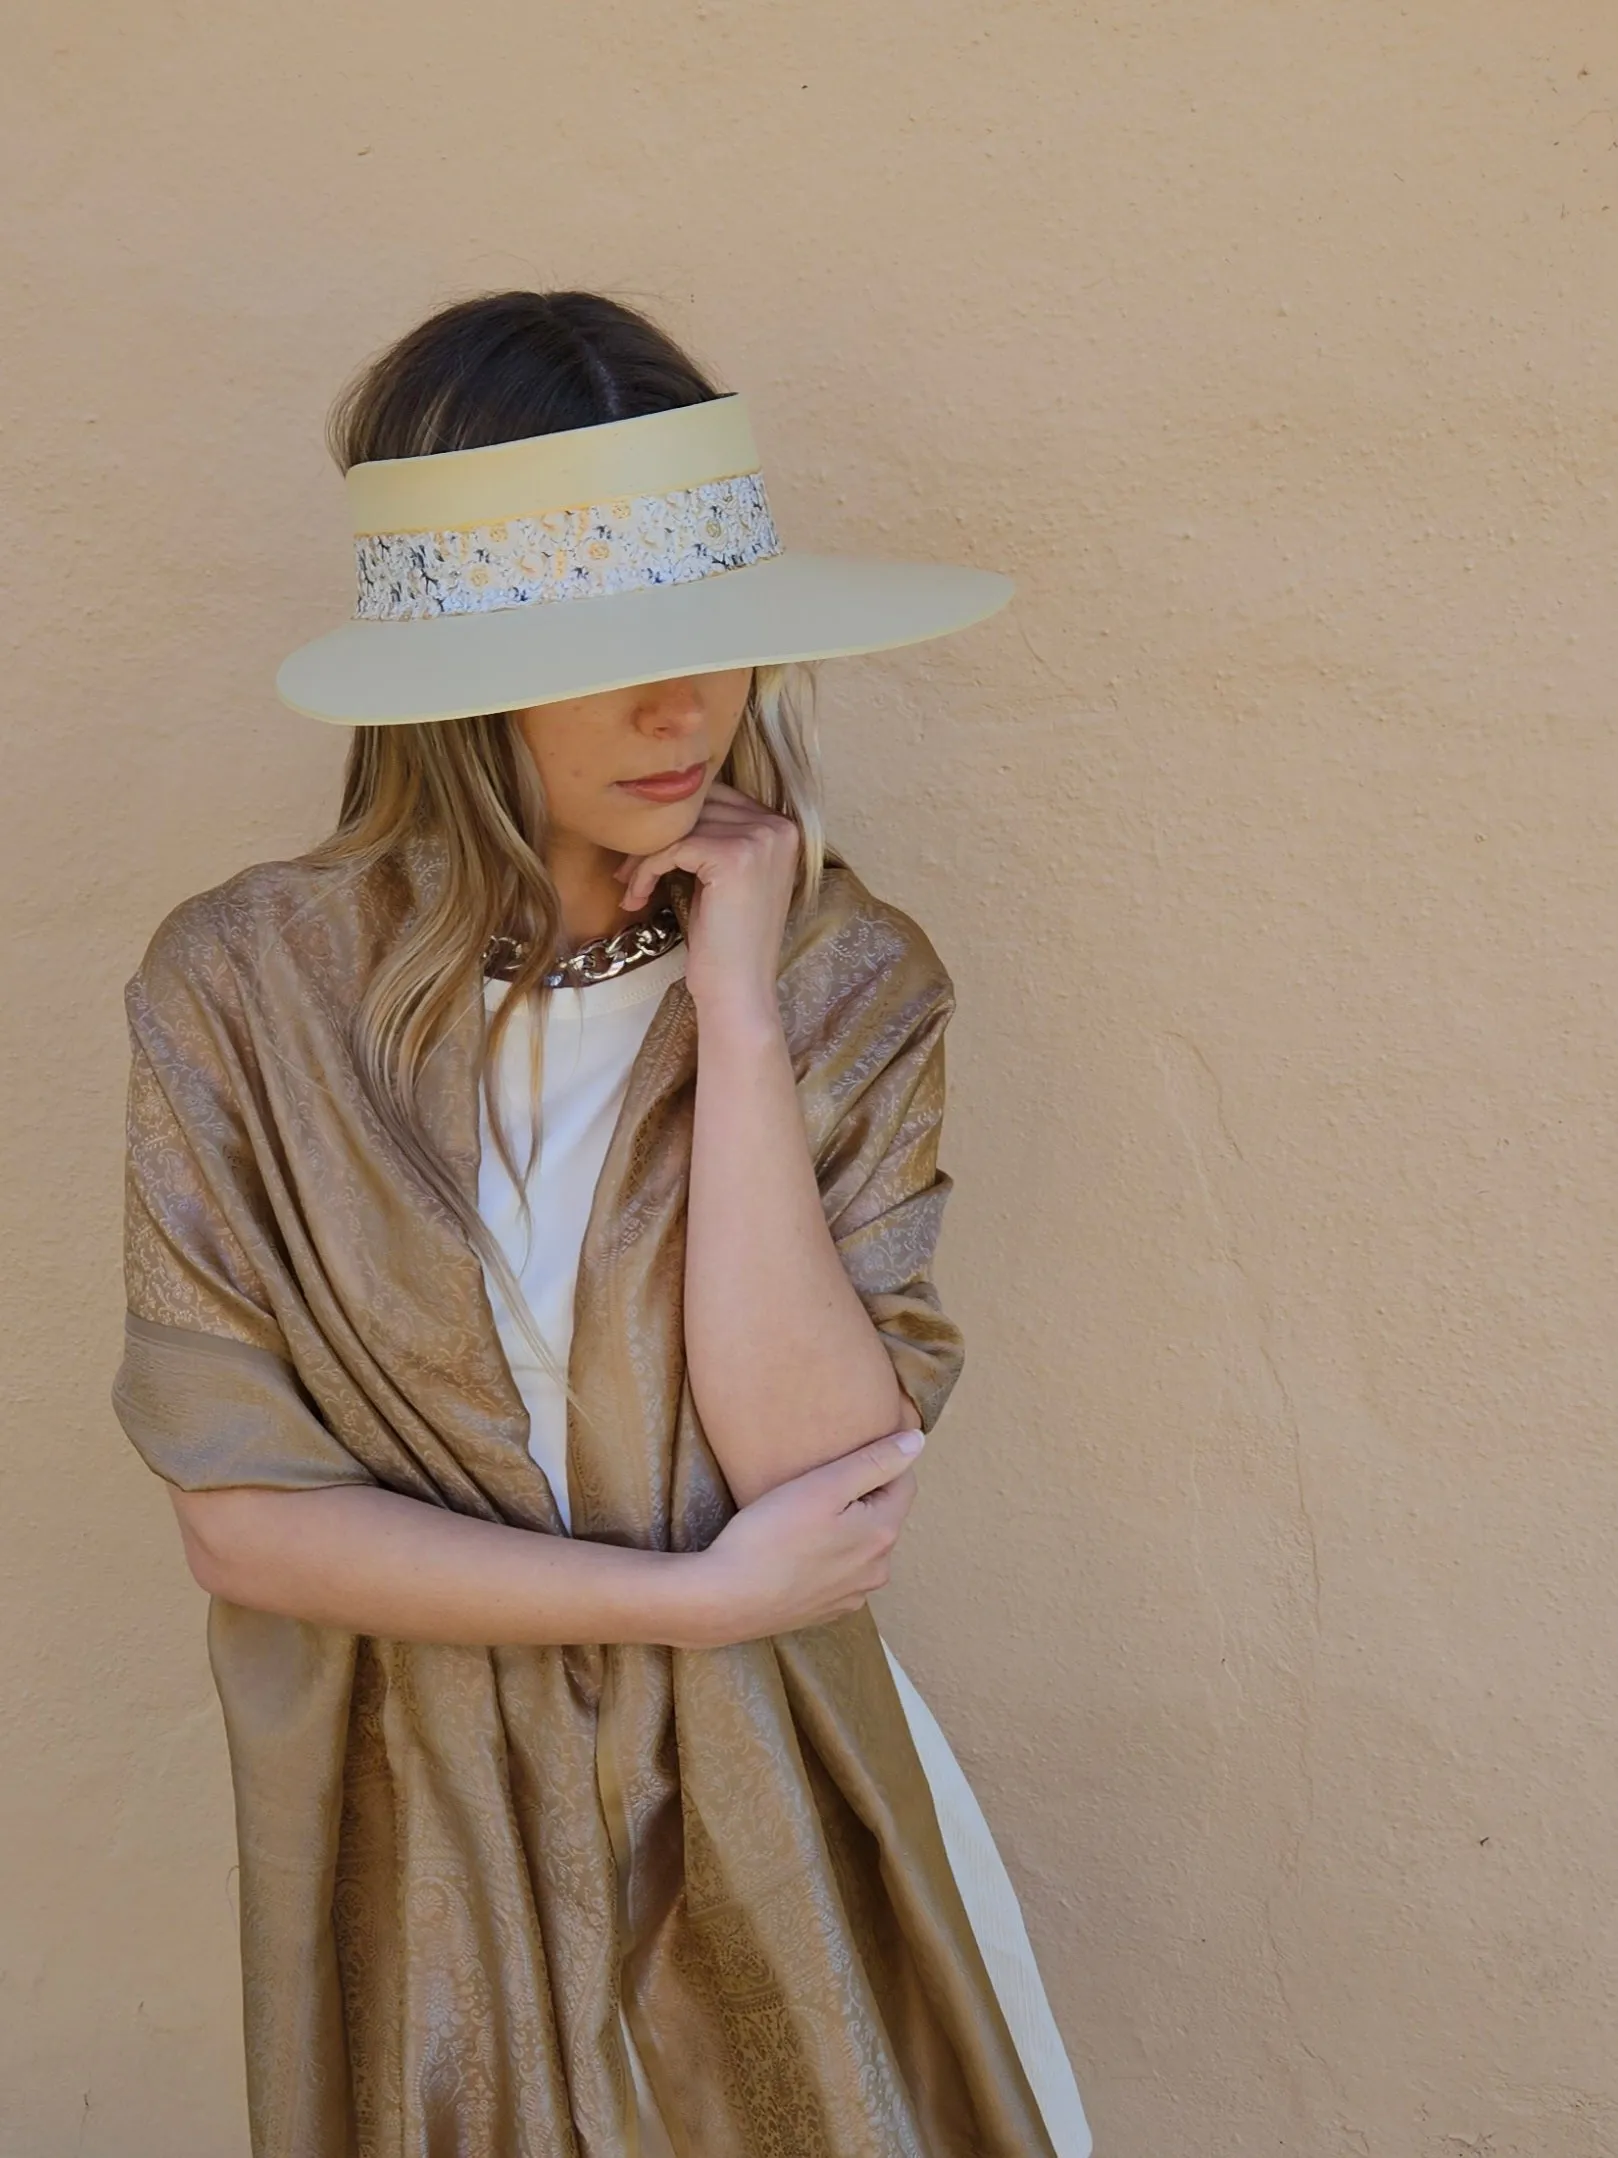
912, 1442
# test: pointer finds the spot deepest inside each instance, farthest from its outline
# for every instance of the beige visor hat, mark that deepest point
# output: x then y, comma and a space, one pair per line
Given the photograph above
638, 550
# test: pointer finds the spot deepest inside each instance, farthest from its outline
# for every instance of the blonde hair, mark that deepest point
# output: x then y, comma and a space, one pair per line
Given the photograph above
473, 784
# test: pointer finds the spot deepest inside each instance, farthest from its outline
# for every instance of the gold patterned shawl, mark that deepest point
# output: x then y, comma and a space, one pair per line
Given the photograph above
453, 1858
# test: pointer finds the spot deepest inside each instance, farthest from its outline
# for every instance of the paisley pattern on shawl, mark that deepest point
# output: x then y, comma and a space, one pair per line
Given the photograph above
452, 1858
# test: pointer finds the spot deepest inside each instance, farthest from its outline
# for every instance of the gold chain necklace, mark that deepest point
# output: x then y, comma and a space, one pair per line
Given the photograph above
599, 960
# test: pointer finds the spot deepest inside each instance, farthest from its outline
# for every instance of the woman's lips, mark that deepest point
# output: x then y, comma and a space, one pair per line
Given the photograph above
668, 786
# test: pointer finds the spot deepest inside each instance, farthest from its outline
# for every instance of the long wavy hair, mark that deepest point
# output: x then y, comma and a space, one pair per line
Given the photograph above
501, 368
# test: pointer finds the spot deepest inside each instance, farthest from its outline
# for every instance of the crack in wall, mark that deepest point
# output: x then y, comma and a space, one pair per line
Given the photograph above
1194, 1099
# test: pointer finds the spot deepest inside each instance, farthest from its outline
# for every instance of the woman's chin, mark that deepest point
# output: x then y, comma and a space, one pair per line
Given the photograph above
646, 826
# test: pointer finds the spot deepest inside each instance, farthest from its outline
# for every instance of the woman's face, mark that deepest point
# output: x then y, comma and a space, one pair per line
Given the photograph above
587, 748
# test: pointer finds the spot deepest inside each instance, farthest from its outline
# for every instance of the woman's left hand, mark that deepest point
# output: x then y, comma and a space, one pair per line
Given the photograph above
745, 859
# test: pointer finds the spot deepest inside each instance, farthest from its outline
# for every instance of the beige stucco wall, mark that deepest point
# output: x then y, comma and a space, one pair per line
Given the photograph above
1263, 1572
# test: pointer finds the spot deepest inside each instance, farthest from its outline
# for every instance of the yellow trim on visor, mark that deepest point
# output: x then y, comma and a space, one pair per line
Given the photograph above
658, 453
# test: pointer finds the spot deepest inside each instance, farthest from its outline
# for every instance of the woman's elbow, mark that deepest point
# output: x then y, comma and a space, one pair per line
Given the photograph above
215, 1530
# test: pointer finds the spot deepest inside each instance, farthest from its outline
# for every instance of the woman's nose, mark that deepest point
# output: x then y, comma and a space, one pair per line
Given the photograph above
671, 708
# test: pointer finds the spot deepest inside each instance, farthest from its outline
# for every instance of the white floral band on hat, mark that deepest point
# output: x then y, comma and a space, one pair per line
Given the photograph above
600, 547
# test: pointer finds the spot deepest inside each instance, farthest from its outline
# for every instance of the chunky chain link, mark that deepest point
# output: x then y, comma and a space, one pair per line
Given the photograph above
600, 959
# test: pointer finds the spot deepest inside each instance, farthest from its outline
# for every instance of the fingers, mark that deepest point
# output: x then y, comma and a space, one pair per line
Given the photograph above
709, 847
694, 852
887, 1506
871, 1466
727, 814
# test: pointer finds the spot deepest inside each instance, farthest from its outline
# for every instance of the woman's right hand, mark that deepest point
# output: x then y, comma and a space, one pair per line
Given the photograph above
811, 1549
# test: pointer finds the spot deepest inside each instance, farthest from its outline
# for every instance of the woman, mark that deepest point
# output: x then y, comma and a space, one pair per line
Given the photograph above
532, 1192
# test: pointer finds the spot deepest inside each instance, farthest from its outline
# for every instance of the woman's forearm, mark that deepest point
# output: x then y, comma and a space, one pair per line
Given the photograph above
377, 1562
785, 1366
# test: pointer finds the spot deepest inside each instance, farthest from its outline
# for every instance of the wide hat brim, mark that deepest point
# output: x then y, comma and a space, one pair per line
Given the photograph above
789, 607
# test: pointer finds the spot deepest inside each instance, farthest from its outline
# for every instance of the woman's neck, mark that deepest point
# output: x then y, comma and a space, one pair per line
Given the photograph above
591, 897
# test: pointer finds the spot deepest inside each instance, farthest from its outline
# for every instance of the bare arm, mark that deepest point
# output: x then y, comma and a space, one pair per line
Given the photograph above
785, 1366
376, 1562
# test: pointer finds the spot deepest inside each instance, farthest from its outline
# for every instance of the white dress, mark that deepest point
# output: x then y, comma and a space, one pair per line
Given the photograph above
592, 1036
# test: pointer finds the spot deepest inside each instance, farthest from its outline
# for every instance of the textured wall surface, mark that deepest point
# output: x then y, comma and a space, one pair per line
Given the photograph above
1263, 1571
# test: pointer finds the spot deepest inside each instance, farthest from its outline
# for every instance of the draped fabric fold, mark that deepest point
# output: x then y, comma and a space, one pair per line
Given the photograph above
456, 1861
